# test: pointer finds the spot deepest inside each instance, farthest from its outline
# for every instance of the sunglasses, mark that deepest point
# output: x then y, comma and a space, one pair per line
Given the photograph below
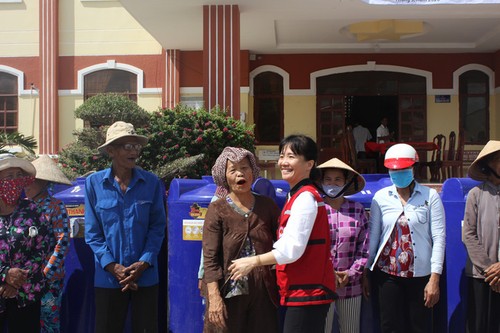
130, 146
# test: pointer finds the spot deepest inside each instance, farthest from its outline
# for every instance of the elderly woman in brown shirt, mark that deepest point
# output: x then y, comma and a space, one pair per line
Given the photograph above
481, 230
239, 224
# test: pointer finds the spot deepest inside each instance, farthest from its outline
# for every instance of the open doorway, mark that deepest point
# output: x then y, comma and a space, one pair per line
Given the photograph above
369, 110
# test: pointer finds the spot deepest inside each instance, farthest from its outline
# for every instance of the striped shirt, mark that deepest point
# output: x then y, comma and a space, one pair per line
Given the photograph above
350, 237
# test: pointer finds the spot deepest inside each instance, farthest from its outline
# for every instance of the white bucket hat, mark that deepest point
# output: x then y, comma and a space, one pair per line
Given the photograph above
10, 161
475, 169
119, 130
47, 169
359, 182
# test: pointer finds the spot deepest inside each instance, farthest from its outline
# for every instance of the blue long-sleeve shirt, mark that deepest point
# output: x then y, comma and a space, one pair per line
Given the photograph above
425, 213
124, 227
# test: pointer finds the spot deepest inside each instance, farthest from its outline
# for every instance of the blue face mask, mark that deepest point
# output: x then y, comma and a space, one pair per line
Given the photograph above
332, 190
401, 178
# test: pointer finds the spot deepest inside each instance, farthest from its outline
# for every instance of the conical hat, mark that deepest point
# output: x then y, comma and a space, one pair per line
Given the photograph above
475, 171
357, 185
47, 169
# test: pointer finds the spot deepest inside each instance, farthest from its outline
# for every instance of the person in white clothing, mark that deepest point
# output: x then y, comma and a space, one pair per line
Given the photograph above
383, 134
361, 134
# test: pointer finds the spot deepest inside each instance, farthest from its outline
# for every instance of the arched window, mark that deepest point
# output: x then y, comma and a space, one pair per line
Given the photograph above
8, 102
474, 107
111, 81
268, 108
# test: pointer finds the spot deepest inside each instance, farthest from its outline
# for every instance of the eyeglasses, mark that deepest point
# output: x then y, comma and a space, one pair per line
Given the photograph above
130, 146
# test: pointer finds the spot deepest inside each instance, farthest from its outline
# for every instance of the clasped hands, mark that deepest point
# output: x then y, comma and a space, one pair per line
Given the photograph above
492, 276
14, 279
127, 276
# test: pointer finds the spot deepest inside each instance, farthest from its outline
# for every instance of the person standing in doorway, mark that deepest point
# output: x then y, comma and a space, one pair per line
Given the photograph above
383, 134
124, 226
361, 135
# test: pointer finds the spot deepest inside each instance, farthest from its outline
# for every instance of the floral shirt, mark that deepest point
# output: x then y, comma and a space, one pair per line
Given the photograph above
24, 243
55, 212
397, 256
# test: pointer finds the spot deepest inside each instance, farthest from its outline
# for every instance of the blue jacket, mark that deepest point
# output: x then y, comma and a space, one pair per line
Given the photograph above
124, 227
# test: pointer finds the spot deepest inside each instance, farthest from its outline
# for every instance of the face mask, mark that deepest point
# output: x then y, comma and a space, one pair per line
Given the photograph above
332, 190
401, 178
11, 189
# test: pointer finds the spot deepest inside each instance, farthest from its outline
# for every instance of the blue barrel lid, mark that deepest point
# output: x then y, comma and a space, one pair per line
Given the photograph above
74, 194
456, 189
373, 184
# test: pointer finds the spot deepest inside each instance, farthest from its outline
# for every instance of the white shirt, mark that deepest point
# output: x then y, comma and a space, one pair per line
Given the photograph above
361, 135
292, 243
381, 132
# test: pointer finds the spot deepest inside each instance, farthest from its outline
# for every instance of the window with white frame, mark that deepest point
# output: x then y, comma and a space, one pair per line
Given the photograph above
9, 102
111, 81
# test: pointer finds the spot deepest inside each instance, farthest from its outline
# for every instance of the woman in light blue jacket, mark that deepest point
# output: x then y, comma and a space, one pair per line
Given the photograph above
407, 244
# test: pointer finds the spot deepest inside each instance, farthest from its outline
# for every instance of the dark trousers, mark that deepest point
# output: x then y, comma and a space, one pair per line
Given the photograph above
401, 302
483, 306
25, 319
112, 305
305, 319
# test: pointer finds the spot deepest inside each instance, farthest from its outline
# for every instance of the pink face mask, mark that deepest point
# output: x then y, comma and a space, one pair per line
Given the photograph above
11, 189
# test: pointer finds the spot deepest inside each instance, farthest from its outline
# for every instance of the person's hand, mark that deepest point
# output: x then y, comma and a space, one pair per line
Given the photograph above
7, 291
431, 291
134, 272
365, 283
16, 277
341, 279
120, 274
217, 313
492, 274
242, 267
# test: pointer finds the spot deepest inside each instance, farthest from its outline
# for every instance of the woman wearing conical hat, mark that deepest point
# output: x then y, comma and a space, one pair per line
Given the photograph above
349, 234
481, 230
48, 173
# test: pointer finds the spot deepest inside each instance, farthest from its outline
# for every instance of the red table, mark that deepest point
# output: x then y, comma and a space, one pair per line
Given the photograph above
374, 147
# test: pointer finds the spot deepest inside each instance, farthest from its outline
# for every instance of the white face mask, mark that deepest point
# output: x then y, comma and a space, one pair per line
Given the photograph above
332, 190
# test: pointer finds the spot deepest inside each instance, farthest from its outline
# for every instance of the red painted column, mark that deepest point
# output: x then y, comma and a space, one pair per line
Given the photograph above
221, 58
171, 93
48, 142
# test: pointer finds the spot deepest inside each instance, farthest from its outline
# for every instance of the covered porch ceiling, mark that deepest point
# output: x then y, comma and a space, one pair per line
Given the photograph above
329, 26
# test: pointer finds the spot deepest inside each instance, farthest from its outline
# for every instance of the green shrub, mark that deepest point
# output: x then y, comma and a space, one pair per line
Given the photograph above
185, 132
183, 142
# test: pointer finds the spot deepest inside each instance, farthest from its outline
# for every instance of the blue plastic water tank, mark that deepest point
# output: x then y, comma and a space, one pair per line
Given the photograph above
77, 309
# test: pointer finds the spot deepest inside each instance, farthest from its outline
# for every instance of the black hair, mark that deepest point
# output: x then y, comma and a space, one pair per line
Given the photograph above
302, 145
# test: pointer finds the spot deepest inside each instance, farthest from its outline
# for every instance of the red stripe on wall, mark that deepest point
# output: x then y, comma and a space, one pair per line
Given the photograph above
49, 39
221, 56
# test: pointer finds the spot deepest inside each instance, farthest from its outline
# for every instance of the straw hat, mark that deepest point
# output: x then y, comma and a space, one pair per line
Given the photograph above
475, 169
47, 169
121, 129
10, 161
357, 185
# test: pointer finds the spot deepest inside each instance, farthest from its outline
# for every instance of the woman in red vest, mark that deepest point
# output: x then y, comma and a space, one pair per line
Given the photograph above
302, 253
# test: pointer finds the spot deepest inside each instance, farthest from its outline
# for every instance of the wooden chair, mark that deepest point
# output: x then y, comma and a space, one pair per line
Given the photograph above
434, 164
453, 164
362, 165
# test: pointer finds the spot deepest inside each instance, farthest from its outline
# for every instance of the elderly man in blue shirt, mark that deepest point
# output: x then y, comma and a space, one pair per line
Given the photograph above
124, 226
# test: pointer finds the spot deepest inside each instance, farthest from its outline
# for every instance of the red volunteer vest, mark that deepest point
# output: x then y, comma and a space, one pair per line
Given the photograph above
309, 280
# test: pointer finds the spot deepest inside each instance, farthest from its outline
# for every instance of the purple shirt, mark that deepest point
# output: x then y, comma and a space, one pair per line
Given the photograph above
349, 231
